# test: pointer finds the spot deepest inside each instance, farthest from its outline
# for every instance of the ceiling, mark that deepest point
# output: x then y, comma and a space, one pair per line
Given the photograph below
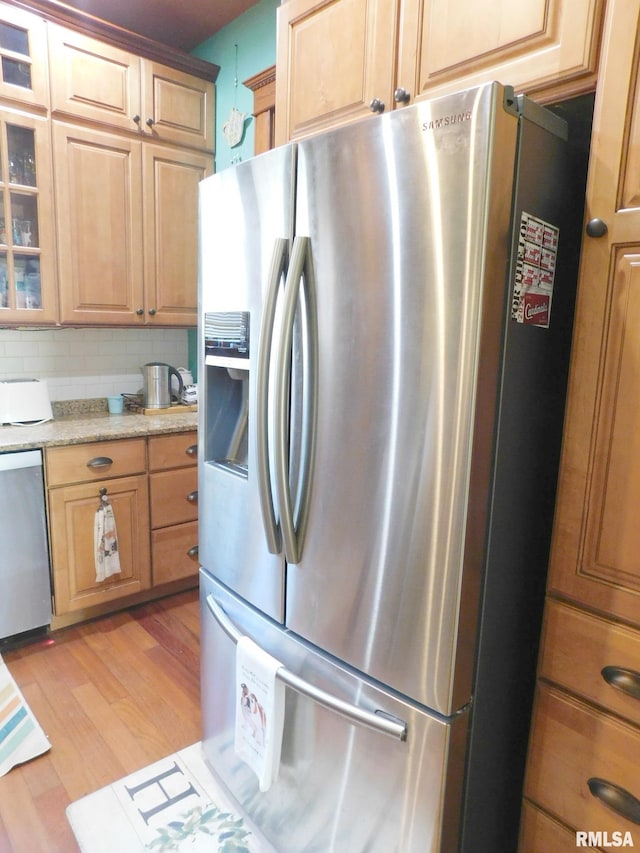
183, 24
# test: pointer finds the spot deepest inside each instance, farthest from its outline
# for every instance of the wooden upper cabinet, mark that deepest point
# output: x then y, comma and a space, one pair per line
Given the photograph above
24, 75
541, 47
129, 253
177, 107
337, 57
94, 80
27, 228
170, 223
596, 551
98, 180
333, 58
99, 82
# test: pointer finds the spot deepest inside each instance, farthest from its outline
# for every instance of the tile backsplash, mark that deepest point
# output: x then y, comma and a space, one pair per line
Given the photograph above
85, 363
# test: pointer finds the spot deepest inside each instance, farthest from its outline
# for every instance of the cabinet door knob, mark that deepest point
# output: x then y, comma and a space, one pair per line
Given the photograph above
376, 106
401, 96
596, 228
192, 497
616, 798
139, 311
627, 680
149, 122
99, 462
136, 119
193, 552
152, 312
192, 450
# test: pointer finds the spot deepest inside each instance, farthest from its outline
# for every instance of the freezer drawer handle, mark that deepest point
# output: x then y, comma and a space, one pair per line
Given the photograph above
616, 798
376, 721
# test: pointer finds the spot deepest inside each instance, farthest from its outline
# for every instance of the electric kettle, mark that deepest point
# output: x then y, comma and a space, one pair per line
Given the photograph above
156, 384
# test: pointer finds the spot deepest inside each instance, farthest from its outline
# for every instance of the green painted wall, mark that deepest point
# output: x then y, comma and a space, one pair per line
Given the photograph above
254, 33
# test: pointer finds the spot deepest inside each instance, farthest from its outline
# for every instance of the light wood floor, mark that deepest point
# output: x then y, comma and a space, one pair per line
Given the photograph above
113, 696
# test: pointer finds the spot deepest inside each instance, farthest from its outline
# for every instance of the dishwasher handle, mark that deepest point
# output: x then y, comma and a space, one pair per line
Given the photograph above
378, 721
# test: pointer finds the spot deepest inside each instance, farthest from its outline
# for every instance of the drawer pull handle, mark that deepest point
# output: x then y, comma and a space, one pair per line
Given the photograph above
615, 798
193, 552
99, 462
192, 450
626, 680
192, 497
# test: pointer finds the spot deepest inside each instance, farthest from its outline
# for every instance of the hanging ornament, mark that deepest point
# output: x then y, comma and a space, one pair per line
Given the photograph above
234, 126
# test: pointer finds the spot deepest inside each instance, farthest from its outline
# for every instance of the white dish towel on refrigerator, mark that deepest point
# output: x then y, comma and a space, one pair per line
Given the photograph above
259, 711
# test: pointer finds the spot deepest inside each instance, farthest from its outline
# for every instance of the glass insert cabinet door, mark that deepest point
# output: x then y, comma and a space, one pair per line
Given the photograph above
26, 250
23, 52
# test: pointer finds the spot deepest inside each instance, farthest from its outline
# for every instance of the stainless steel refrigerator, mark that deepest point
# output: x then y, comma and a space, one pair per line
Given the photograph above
384, 334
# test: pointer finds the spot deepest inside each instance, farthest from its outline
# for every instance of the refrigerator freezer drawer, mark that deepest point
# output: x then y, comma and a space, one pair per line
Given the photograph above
342, 785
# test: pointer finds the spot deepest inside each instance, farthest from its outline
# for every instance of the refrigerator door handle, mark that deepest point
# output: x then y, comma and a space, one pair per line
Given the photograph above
300, 270
276, 271
378, 721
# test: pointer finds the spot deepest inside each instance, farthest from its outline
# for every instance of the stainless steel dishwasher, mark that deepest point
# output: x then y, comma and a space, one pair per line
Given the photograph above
25, 586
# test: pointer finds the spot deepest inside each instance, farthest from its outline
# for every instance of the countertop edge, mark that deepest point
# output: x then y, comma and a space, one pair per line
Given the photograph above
82, 429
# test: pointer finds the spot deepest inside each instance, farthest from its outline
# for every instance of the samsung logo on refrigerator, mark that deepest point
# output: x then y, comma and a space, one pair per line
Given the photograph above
446, 121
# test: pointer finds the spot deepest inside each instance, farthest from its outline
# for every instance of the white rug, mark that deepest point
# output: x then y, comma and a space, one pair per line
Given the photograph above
174, 804
21, 737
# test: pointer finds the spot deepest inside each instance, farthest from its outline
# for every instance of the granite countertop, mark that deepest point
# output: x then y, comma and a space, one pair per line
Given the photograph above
78, 427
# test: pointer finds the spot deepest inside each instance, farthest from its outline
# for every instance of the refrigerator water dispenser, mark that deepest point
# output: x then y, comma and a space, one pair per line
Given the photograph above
227, 390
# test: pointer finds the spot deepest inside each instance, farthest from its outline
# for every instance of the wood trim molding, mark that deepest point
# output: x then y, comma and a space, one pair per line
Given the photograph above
262, 78
60, 13
263, 86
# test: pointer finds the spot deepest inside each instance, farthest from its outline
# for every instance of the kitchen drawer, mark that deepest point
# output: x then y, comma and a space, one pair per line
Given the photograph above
540, 833
576, 649
174, 496
175, 552
572, 743
81, 463
176, 450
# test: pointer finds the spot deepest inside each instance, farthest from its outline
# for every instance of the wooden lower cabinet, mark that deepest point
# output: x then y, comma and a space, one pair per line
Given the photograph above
72, 511
175, 552
583, 762
174, 496
593, 658
540, 832
151, 485
174, 506
95, 461
584, 752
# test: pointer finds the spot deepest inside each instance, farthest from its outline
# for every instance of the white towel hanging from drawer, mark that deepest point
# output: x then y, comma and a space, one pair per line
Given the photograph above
105, 537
